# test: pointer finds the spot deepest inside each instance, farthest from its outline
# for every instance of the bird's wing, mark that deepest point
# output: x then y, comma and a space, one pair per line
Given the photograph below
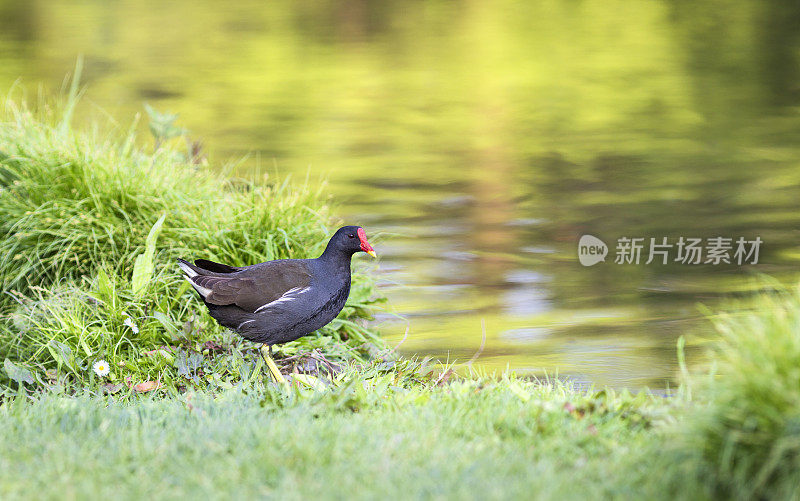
255, 288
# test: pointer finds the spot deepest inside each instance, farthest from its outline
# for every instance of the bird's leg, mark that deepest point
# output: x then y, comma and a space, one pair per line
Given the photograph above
266, 352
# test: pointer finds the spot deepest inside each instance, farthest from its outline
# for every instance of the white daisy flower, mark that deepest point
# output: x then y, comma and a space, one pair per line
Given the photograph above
129, 323
101, 368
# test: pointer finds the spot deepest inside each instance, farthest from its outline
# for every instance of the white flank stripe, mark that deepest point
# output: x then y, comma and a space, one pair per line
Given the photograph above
287, 296
245, 322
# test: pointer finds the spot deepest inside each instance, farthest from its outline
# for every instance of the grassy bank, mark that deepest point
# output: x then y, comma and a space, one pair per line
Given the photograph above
92, 225
393, 429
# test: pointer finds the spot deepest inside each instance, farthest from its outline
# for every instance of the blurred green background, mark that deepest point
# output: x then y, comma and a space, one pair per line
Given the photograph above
483, 139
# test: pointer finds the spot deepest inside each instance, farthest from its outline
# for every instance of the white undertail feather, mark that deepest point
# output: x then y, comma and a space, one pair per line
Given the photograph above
190, 274
199, 288
186, 269
287, 296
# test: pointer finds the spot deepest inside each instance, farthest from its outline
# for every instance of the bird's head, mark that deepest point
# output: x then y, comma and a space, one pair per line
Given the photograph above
351, 239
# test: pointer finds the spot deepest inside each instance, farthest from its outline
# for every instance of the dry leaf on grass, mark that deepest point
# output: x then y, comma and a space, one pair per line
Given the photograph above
147, 386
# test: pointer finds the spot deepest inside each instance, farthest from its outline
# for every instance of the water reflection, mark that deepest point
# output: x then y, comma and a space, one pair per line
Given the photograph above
483, 140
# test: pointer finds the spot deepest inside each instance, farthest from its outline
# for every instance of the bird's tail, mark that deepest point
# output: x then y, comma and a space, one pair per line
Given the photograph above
191, 271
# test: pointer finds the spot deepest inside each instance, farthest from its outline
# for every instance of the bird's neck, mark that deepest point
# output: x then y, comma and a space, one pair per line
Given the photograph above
336, 258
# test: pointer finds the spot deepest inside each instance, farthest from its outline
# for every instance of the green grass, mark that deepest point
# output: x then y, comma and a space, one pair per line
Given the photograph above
464, 440
406, 429
745, 428
77, 210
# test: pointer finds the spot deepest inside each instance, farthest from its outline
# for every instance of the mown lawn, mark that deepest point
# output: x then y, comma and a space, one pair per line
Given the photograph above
465, 440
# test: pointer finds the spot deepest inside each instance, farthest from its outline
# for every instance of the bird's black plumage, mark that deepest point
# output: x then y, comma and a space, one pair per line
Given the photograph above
279, 301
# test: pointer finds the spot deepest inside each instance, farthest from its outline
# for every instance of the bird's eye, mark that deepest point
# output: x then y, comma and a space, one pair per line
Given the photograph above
351, 235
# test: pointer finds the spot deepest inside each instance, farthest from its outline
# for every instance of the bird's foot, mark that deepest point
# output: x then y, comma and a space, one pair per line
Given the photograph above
266, 352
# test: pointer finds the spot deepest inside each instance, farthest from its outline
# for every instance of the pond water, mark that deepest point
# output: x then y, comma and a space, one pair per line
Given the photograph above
481, 140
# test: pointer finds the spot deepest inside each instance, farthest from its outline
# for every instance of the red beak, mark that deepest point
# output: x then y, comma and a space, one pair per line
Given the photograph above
365, 246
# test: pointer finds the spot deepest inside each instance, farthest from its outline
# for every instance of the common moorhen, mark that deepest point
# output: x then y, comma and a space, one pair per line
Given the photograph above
279, 301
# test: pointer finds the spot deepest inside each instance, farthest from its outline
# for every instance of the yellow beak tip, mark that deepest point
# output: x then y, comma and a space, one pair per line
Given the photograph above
372, 253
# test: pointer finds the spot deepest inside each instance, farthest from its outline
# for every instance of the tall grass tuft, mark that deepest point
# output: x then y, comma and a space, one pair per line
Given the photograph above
748, 434
76, 262
71, 202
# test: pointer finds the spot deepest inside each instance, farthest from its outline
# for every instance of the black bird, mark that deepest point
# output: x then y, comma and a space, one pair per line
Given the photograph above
279, 301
